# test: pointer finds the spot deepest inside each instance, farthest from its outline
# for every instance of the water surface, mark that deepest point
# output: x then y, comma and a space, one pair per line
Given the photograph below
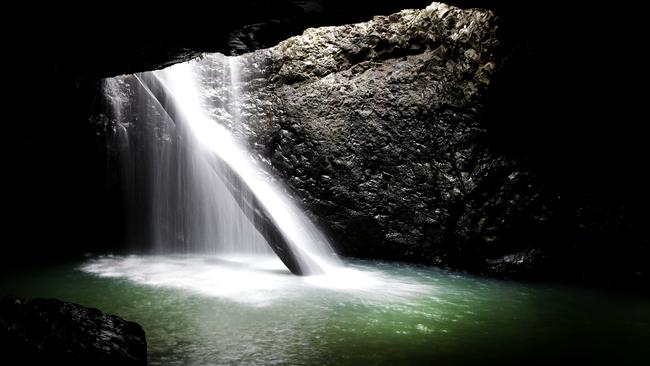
241, 311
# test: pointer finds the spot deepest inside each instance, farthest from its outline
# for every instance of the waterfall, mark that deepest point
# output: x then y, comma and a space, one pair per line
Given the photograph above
200, 189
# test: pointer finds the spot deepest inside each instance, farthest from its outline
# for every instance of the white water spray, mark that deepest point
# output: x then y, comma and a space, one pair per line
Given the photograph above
190, 200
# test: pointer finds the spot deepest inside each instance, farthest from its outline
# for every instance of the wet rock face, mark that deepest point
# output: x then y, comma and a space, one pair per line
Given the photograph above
49, 331
383, 130
376, 127
378, 132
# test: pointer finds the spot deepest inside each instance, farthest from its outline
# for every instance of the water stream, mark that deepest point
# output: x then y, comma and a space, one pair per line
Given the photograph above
207, 190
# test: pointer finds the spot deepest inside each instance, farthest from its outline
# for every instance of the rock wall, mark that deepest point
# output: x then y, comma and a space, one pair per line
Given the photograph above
376, 127
380, 129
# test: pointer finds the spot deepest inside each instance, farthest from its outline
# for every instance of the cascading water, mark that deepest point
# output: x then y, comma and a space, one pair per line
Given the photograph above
208, 194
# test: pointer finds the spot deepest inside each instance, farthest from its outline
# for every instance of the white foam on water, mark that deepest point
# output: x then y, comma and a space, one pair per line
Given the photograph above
254, 280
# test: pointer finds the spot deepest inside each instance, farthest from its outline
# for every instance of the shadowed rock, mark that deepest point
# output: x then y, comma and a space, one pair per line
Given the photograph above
49, 331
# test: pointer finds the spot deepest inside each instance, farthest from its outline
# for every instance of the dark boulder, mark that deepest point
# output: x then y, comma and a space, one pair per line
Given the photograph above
50, 331
389, 133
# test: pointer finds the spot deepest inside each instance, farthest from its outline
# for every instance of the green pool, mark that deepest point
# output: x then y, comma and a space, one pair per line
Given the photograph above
242, 311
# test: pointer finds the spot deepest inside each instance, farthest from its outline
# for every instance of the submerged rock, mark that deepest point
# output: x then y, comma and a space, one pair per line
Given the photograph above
49, 331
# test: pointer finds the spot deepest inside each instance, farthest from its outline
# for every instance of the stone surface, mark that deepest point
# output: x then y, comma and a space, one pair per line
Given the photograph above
380, 129
376, 128
49, 331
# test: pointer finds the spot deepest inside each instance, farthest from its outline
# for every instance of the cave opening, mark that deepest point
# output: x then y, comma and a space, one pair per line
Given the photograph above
443, 178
